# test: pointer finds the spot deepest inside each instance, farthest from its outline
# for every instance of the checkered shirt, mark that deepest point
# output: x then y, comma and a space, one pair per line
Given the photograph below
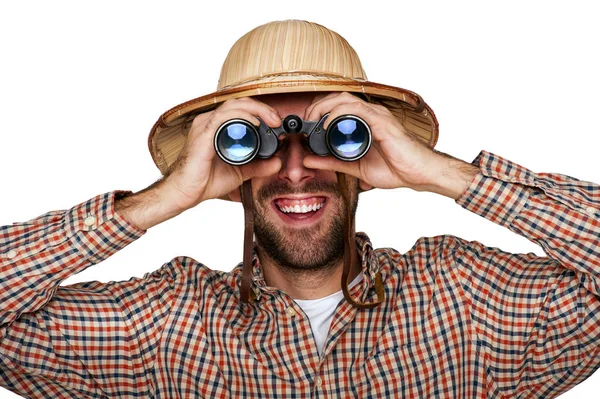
459, 320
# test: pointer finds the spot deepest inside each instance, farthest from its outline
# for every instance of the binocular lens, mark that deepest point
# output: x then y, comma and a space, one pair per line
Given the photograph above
237, 142
348, 139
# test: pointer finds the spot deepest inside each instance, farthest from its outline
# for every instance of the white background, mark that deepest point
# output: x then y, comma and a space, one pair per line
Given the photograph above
81, 86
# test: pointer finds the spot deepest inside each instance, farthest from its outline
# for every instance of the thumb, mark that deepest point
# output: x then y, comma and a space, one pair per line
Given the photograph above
331, 163
261, 168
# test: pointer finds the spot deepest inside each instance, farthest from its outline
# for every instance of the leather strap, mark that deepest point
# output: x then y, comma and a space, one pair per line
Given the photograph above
350, 251
247, 293
246, 194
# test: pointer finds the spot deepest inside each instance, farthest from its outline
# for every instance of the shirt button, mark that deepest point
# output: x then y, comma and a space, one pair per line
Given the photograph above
591, 210
290, 310
11, 254
319, 381
90, 220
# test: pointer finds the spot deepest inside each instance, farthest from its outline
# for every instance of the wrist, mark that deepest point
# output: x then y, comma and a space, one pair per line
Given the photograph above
148, 207
450, 176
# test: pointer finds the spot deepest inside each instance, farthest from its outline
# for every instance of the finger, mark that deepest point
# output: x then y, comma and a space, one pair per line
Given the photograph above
364, 186
234, 195
317, 100
267, 113
331, 163
315, 111
274, 113
244, 102
382, 125
234, 113
323, 95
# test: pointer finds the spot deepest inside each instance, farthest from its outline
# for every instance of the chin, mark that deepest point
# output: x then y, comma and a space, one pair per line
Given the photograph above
316, 247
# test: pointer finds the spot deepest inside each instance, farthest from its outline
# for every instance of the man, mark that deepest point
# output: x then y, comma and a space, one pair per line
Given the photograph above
452, 318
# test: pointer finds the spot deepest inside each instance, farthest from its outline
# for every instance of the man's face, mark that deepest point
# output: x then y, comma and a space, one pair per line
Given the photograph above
286, 225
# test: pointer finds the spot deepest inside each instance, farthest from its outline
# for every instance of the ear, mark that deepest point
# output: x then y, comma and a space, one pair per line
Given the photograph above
235, 195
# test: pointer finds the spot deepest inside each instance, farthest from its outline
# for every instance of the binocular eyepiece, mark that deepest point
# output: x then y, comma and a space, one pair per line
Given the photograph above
347, 137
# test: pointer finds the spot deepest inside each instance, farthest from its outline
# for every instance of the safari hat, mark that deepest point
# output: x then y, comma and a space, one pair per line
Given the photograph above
289, 57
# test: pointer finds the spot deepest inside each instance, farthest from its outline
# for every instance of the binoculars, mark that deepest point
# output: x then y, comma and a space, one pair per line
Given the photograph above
347, 137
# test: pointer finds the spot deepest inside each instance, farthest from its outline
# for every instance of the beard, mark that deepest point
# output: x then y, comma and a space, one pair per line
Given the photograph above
316, 248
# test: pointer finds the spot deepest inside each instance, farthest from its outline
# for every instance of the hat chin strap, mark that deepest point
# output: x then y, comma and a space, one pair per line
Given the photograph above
349, 247
246, 195
350, 250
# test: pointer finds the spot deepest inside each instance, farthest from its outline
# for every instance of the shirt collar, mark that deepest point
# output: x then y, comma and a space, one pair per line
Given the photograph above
369, 266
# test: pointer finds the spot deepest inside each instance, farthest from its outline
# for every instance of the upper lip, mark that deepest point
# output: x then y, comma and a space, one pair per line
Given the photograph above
299, 197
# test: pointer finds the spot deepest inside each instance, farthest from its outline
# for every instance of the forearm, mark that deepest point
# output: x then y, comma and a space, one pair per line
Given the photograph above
58, 331
558, 212
37, 255
148, 207
450, 176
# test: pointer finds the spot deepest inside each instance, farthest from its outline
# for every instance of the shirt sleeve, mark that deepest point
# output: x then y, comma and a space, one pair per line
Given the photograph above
537, 318
84, 340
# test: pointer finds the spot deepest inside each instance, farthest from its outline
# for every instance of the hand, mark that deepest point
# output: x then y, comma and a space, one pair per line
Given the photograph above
199, 174
396, 158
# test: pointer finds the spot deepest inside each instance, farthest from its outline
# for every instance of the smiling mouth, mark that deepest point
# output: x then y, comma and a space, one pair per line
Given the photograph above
300, 209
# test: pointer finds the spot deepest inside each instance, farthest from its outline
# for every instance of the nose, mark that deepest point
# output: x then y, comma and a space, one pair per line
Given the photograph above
292, 153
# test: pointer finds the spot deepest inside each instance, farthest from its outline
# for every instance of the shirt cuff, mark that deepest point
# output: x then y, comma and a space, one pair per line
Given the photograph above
500, 189
96, 211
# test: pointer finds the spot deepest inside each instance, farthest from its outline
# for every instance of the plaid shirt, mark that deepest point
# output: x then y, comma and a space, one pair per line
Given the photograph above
460, 320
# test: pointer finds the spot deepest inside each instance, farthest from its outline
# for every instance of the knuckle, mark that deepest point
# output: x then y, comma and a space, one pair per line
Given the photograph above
225, 104
364, 108
210, 124
198, 119
322, 96
230, 103
382, 108
196, 124
248, 102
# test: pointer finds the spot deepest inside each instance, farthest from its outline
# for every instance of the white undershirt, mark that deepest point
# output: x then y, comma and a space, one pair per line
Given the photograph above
320, 312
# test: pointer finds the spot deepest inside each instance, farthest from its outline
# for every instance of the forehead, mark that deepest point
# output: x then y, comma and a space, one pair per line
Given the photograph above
291, 103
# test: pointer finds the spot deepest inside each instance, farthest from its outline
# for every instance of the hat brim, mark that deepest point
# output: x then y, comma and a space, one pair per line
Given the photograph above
169, 133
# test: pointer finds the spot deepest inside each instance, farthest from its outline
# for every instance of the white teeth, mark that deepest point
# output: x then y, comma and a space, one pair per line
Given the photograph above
301, 209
